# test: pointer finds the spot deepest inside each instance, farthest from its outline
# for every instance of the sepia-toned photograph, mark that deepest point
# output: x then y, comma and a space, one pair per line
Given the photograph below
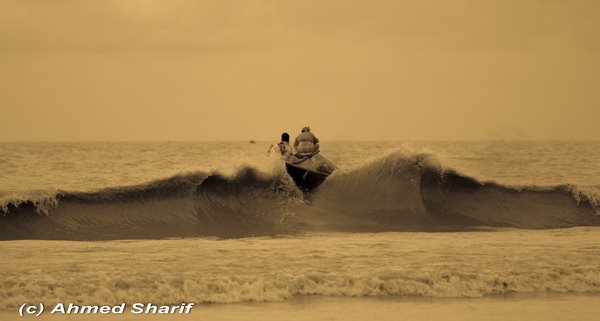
281, 160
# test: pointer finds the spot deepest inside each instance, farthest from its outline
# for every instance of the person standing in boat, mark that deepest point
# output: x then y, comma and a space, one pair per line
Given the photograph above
284, 147
306, 142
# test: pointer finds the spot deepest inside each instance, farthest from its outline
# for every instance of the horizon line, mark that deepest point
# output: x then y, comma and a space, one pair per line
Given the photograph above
332, 140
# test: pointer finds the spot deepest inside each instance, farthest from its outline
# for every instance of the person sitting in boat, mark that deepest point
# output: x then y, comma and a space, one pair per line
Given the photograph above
306, 142
284, 147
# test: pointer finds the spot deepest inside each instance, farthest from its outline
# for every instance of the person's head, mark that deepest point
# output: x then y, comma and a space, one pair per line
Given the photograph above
285, 137
306, 129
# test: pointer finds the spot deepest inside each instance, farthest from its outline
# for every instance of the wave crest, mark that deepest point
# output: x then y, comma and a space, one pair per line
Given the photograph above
400, 191
196, 204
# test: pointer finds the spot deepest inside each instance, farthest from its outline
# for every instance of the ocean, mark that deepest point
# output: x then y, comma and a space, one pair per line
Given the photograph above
484, 230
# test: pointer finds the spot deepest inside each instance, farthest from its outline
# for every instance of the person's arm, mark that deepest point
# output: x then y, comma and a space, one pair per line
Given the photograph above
315, 139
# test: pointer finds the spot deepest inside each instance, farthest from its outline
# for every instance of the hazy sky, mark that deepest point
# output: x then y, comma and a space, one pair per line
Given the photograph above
240, 70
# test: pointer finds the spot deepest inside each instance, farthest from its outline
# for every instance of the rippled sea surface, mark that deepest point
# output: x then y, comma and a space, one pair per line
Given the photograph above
84, 166
339, 269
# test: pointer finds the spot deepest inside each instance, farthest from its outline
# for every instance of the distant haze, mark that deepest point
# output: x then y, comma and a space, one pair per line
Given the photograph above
351, 70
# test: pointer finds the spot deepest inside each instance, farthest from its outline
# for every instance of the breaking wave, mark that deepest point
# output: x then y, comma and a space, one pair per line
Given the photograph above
110, 289
417, 192
396, 192
198, 204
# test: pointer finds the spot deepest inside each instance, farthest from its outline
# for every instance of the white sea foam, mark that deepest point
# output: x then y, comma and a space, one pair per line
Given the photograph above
43, 200
589, 193
466, 264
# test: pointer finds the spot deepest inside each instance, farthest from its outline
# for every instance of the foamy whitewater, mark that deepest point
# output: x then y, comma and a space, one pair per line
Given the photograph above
106, 223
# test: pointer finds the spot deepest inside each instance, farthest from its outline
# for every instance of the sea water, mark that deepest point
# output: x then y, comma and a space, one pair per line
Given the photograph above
428, 230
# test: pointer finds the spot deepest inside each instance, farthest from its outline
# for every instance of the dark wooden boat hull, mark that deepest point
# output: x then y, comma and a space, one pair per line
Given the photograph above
305, 179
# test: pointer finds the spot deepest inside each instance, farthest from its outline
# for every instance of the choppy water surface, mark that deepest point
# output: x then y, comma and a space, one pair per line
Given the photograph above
470, 264
88, 166
443, 219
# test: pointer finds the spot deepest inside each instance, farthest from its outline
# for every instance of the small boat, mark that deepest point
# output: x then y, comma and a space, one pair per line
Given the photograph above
309, 170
